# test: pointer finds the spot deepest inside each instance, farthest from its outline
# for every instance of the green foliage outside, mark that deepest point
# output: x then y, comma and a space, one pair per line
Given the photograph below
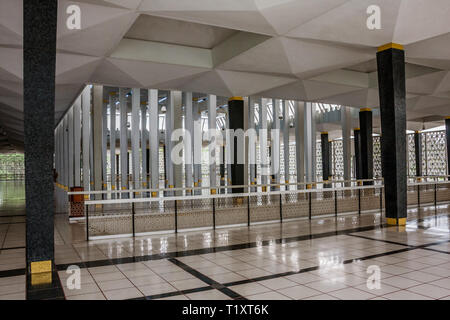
12, 166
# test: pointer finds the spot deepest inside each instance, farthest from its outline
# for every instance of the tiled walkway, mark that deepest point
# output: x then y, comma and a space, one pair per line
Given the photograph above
326, 258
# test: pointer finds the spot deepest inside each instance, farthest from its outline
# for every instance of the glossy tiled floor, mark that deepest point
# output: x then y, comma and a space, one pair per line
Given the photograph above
318, 259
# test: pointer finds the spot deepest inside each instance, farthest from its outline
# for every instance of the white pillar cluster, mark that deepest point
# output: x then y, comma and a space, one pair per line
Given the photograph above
110, 139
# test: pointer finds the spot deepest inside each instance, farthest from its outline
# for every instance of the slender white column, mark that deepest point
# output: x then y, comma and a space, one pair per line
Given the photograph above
263, 134
66, 152
144, 135
252, 144
246, 144
70, 148
346, 144
123, 140
300, 141
86, 109
177, 124
167, 142
228, 151
197, 146
212, 105
135, 106
286, 140
105, 106
98, 136
275, 142
77, 141
189, 127
112, 140
310, 142
154, 138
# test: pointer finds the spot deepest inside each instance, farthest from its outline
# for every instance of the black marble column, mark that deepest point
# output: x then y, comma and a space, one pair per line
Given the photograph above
39, 59
366, 147
392, 91
236, 121
418, 152
222, 170
357, 142
325, 145
447, 134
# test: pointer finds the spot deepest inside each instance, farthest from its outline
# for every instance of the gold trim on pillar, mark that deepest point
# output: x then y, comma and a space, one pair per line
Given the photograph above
154, 194
446, 118
396, 222
325, 132
41, 278
364, 109
41, 266
391, 46
236, 98
357, 129
213, 191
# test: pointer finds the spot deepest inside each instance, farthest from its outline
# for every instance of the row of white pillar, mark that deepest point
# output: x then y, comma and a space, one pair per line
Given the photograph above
81, 138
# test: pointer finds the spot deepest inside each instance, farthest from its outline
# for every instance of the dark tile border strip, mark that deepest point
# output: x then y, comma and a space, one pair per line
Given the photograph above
12, 248
159, 256
12, 273
214, 284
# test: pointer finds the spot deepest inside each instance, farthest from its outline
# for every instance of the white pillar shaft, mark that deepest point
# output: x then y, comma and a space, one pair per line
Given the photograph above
154, 137
212, 105
144, 135
86, 109
252, 144
98, 136
70, 148
197, 146
66, 152
105, 106
177, 124
275, 141
123, 139
77, 141
189, 127
286, 140
299, 140
112, 140
263, 142
310, 142
135, 107
346, 143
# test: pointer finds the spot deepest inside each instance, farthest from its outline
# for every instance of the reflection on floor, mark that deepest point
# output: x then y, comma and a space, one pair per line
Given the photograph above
325, 258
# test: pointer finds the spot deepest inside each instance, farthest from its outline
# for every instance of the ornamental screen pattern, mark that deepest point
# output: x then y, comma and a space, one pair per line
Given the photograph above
434, 153
337, 159
411, 155
319, 160
377, 157
292, 162
434, 156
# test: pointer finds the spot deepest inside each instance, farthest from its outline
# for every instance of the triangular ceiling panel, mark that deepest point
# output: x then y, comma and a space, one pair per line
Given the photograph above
109, 74
421, 19
98, 40
149, 73
320, 90
311, 58
285, 15
268, 57
245, 84
348, 24
294, 91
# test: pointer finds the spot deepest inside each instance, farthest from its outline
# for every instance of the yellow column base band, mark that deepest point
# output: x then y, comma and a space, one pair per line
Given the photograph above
213, 191
154, 194
41, 266
393, 222
41, 278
